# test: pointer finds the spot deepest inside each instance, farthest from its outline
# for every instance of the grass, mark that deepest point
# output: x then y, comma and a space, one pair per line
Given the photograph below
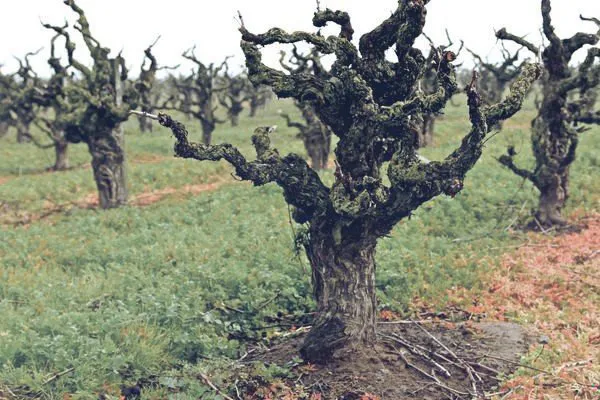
147, 292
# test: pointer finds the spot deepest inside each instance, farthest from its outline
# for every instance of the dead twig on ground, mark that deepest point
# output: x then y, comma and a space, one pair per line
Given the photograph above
58, 375
213, 387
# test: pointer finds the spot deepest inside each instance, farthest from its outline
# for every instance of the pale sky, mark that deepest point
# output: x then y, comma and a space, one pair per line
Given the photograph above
132, 25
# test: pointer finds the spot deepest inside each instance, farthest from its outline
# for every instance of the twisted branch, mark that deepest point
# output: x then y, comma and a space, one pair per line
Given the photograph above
302, 186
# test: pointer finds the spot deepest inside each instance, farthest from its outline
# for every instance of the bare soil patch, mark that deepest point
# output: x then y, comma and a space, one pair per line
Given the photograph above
146, 199
149, 158
472, 357
12, 214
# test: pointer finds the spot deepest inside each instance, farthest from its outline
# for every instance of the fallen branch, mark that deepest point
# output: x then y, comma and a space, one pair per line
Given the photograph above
417, 352
213, 387
58, 375
473, 375
433, 377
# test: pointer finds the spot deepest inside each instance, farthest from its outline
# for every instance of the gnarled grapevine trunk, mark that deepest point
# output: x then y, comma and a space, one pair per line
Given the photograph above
553, 196
145, 123
23, 135
343, 272
208, 128
318, 151
556, 129
4, 126
554, 148
253, 109
108, 164
235, 118
62, 162
426, 134
372, 114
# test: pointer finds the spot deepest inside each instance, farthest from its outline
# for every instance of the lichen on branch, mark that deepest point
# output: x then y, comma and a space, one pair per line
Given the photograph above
568, 102
369, 103
302, 186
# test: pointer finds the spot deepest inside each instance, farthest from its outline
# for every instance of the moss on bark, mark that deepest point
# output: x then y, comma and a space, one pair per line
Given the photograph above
556, 129
98, 104
370, 103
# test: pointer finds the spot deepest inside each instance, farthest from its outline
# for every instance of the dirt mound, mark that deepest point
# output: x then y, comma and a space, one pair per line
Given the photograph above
409, 361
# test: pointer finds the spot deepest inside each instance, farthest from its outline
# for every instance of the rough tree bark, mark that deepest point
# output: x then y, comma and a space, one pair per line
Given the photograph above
344, 288
99, 103
555, 130
61, 162
4, 127
368, 101
108, 165
427, 129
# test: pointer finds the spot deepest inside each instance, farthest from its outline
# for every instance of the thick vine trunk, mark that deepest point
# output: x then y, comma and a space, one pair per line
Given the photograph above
22, 132
253, 110
235, 119
4, 127
145, 124
554, 147
344, 288
318, 151
108, 164
207, 130
62, 161
315, 160
426, 134
553, 196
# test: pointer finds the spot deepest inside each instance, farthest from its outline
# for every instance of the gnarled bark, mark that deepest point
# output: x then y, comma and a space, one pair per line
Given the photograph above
555, 129
554, 192
426, 131
97, 105
4, 127
23, 135
370, 103
61, 162
108, 164
342, 260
